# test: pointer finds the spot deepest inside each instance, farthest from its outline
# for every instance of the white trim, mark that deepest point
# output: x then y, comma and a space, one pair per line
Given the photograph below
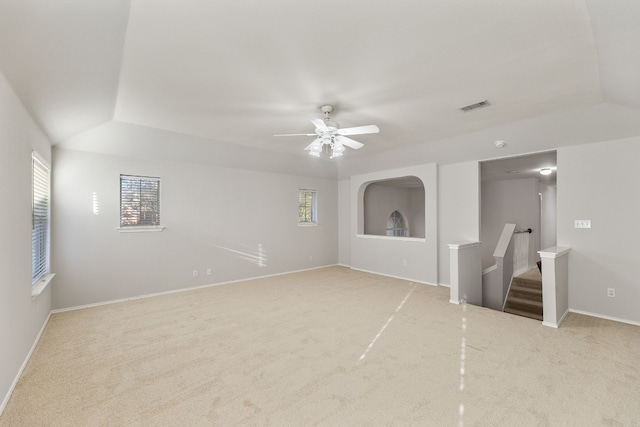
394, 277
463, 245
41, 159
406, 239
175, 291
602, 316
445, 285
454, 302
554, 252
41, 284
556, 325
489, 269
5, 401
138, 229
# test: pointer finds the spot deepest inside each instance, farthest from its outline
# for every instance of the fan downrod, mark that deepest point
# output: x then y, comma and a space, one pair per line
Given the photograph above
326, 109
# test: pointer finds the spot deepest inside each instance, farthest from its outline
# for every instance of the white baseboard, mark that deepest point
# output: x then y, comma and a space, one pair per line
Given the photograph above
5, 401
602, 316
556, 325
174, 291
564, 316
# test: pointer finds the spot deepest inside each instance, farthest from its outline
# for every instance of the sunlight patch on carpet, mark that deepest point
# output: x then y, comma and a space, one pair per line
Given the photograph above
373, 341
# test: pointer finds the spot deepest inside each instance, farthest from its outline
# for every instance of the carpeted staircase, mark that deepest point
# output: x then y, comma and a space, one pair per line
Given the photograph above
525, 295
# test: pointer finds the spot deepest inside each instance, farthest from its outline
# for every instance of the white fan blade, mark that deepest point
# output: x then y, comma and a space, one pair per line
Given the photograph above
349, 142
359, 130
296, 134
319, 124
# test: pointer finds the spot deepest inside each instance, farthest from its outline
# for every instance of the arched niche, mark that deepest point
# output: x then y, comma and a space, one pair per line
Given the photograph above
378, 200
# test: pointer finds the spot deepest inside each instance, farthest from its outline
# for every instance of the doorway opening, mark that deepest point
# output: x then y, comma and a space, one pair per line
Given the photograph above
513, 191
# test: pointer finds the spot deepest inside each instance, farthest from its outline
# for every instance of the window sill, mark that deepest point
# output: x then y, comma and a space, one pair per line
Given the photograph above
41, 284
139, 229
307, 224
397, 238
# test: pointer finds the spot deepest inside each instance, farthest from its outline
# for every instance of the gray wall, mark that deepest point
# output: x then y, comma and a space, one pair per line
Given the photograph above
599, 182
239, 223
513, 201
416, 212
409, 258
21, 317
458, 210
344, 222
548, 217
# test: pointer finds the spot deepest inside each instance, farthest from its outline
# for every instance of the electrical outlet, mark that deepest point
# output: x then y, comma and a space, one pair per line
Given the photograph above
611, 292
208, 272
195, 273
310, 257
404, 262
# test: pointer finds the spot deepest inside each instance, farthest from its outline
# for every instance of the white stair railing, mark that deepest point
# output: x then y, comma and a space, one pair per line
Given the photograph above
497, 278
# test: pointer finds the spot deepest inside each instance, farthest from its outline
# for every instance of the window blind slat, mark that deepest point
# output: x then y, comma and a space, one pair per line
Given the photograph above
40, 218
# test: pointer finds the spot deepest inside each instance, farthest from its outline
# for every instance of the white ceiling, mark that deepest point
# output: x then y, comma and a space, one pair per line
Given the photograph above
236, 73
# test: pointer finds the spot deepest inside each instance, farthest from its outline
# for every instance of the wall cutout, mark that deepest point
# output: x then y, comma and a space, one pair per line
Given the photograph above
397, 202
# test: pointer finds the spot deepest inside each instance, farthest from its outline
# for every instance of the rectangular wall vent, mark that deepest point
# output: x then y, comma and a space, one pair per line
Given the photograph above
470, 107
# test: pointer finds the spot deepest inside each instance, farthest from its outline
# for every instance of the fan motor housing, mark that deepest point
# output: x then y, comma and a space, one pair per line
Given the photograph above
331, 124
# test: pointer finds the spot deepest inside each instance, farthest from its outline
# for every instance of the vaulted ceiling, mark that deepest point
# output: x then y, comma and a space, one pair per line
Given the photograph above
224, 76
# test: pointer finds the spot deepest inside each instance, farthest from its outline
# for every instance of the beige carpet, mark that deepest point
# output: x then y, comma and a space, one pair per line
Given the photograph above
325, 347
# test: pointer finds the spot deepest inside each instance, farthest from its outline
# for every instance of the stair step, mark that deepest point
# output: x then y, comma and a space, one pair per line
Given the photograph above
524, 301
527, 283
524, 289
523, 313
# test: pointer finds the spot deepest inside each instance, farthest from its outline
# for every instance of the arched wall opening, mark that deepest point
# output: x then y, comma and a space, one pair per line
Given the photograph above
378, 200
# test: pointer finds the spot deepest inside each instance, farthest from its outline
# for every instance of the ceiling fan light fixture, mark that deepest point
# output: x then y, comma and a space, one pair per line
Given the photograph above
329, 135
316, 147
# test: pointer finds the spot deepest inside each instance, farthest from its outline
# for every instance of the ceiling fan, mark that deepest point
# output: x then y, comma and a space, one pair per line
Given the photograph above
329, 134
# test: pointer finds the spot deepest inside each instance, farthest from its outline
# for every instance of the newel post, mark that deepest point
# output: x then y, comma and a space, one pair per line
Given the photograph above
465, 267
555, 285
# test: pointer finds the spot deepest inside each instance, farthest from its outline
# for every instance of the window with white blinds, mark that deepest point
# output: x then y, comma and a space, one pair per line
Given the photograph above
39, 219
139, 201
307, 209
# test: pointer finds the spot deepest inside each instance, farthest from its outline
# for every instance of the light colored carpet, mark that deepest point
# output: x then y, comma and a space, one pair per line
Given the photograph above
325, 347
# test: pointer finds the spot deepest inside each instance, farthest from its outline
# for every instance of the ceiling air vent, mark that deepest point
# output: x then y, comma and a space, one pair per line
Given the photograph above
470, 107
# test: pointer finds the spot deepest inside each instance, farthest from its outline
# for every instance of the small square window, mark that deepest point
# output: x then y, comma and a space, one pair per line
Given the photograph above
307, 207
139, 201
